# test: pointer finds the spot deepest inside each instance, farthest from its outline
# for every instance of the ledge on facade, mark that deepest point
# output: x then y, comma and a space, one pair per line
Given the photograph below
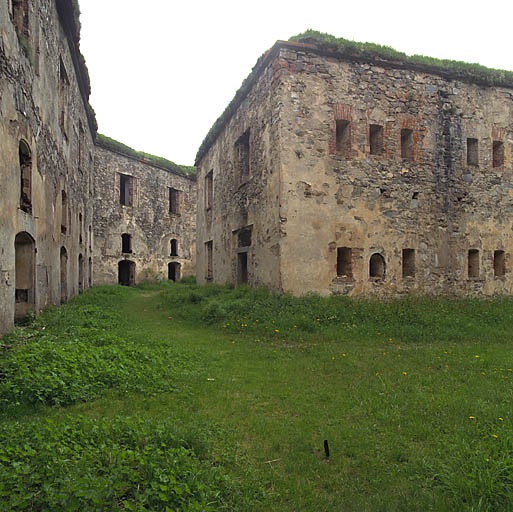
369, 53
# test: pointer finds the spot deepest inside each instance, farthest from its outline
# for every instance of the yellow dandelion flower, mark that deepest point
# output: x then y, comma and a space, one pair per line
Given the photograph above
404, 373
483, 373
471, 417
501, 419
477, 356
495, 436
276, 330
377, 373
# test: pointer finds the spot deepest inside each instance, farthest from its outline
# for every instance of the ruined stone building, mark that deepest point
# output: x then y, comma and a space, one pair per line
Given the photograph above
144, 221
46, 163
73, 214
340, 169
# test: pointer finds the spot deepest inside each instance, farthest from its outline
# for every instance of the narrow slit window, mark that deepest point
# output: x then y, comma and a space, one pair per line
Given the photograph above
242, 268
344, 262
407, 144
242, 157
126, 243
376, 139
472, 152
174, 247
473, 263
499, 264
209, 189
408, 263
174, 201
26, 178
498, 153
64, 212
343, 137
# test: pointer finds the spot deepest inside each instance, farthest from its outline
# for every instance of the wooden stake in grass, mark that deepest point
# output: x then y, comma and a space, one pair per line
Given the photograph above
326, 450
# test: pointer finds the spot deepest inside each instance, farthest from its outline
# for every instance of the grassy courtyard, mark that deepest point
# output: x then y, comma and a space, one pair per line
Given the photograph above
180, 397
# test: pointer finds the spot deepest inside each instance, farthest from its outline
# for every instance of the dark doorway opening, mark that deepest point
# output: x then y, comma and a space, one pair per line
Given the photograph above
126, 273
24, 247
80, 272
242, 268
173, 271
64, 275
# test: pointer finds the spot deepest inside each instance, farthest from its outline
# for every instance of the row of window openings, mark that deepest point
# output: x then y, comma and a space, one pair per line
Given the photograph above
377, 263
127, 194
343, 144
126, 245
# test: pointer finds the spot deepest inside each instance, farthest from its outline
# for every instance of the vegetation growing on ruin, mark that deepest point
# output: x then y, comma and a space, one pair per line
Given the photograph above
119, 147
238, 388
375, 53
367, 52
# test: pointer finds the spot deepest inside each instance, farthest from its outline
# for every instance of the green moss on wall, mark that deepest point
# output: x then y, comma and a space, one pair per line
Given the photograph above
119, 147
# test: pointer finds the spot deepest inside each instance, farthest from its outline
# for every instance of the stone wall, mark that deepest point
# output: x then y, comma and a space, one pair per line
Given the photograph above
238, 195
147, 221
381, 188
46, 131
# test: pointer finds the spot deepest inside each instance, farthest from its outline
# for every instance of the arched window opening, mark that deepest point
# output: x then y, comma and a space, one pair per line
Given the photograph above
174, 247
81, 272
64, 275
126, 243
377, 266
173, 271
126, 273
64, 212
24, 248
26, 177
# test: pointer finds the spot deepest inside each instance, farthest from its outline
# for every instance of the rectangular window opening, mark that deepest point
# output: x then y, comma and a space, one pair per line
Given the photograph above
408, 263
209, 257
174, 201
499, 264
473, 263
126, 190
407, 144
498, 153
376, 139
343, 137
126, 243
242, 157
344, 262
209, 189
472, 152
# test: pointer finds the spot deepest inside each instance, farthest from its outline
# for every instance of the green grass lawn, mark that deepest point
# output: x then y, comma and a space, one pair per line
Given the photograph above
180, 397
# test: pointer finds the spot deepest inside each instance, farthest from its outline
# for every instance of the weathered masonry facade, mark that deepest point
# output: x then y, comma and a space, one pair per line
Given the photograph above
144, 221
46, 162
343, 176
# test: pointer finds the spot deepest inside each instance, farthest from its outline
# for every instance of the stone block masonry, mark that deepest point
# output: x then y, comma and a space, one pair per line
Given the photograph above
366, 177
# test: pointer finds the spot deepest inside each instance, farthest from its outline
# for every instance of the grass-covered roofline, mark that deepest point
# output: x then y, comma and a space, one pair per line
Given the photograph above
69, 15
338, 47
123, 149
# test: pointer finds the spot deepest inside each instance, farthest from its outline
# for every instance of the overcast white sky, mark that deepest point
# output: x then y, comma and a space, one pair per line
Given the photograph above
163, 71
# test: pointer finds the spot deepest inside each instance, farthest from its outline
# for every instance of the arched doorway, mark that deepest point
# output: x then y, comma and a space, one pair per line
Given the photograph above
64, 275
81, 272
126, 273
377, 266
25, 264
173, 271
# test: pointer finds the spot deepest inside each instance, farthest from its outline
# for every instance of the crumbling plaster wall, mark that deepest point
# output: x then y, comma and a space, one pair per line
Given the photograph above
30, 111
435, 203
236, 204
148, 220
